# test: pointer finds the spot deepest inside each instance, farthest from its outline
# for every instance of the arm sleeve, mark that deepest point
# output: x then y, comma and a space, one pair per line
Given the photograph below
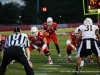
27, 42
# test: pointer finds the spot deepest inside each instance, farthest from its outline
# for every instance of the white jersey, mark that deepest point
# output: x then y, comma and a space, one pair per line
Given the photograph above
88, 31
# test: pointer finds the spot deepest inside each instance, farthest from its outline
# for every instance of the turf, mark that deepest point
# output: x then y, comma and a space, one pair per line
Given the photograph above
60, 66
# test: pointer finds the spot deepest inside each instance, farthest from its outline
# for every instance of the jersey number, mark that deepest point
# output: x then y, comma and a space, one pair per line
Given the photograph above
88, 28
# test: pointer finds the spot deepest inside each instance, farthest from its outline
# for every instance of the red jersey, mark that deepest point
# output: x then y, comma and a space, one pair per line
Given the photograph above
50, 28
38, 40
2, 40
72, 36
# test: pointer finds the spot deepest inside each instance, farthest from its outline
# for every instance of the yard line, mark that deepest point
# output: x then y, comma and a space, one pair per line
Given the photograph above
47, 68
72, 63
52, 65
61, 59
42, 71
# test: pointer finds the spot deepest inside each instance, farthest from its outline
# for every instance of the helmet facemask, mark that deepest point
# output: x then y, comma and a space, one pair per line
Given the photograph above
88, 21
49, 23
34, 31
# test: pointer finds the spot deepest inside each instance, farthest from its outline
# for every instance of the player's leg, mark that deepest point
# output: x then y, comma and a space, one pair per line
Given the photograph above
6, 58
21, 57
47, 54
55, 40
90, 57
69, 52
48, 39
96, 50
82, 52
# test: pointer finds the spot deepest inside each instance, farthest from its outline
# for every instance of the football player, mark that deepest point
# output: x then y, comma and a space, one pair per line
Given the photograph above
88, 31
50, 28
2, 40
90, 54
38, 41
71, 45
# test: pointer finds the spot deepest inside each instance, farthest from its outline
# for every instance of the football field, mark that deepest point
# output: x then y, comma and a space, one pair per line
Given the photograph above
59, 66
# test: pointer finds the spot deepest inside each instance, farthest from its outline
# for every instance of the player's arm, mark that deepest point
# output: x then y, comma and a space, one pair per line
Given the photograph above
43, 46
45, 43
28, 52
45, 26
27, 45
2, 53
78, 37
97, 34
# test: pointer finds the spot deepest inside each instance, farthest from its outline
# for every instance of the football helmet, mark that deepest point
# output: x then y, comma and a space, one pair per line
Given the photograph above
76, 31
34, 31
49, 21
88, 21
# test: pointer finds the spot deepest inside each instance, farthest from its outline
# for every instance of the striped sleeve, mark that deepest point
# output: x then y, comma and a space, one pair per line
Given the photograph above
27, 42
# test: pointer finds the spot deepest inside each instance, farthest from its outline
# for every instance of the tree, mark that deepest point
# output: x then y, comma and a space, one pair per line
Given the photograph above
29, 12
10, 13
1, 10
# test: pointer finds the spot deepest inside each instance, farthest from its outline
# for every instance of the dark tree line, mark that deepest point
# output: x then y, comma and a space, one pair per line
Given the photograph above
62, 11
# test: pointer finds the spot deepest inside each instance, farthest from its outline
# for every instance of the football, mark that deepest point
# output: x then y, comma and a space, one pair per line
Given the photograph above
46, 34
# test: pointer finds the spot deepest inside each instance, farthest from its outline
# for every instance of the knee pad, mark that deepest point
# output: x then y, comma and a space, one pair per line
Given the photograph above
69, 51
47, 53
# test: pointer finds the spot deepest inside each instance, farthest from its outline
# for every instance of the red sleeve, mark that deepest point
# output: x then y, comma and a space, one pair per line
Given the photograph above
29, 36
54, 24
41, 34
4, 37
31, 47
45, 24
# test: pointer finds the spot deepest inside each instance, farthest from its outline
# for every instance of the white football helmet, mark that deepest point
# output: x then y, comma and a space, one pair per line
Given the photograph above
34, 31
88, 21
49, 21
76, 31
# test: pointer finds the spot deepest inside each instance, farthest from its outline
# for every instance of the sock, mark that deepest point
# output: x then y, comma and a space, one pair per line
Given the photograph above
82, 63
90, 56
69, 56
49, 58
77, 69
57, 48
48, 46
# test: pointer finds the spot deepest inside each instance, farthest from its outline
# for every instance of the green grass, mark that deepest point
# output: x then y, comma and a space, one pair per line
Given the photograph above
60, 66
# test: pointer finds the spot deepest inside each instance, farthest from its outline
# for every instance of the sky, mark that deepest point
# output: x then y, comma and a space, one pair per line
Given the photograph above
7, 1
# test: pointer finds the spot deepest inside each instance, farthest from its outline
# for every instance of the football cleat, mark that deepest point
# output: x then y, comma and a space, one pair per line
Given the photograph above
50, 62
59, 55
12, 61
91, 59
76, 73
68, 60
